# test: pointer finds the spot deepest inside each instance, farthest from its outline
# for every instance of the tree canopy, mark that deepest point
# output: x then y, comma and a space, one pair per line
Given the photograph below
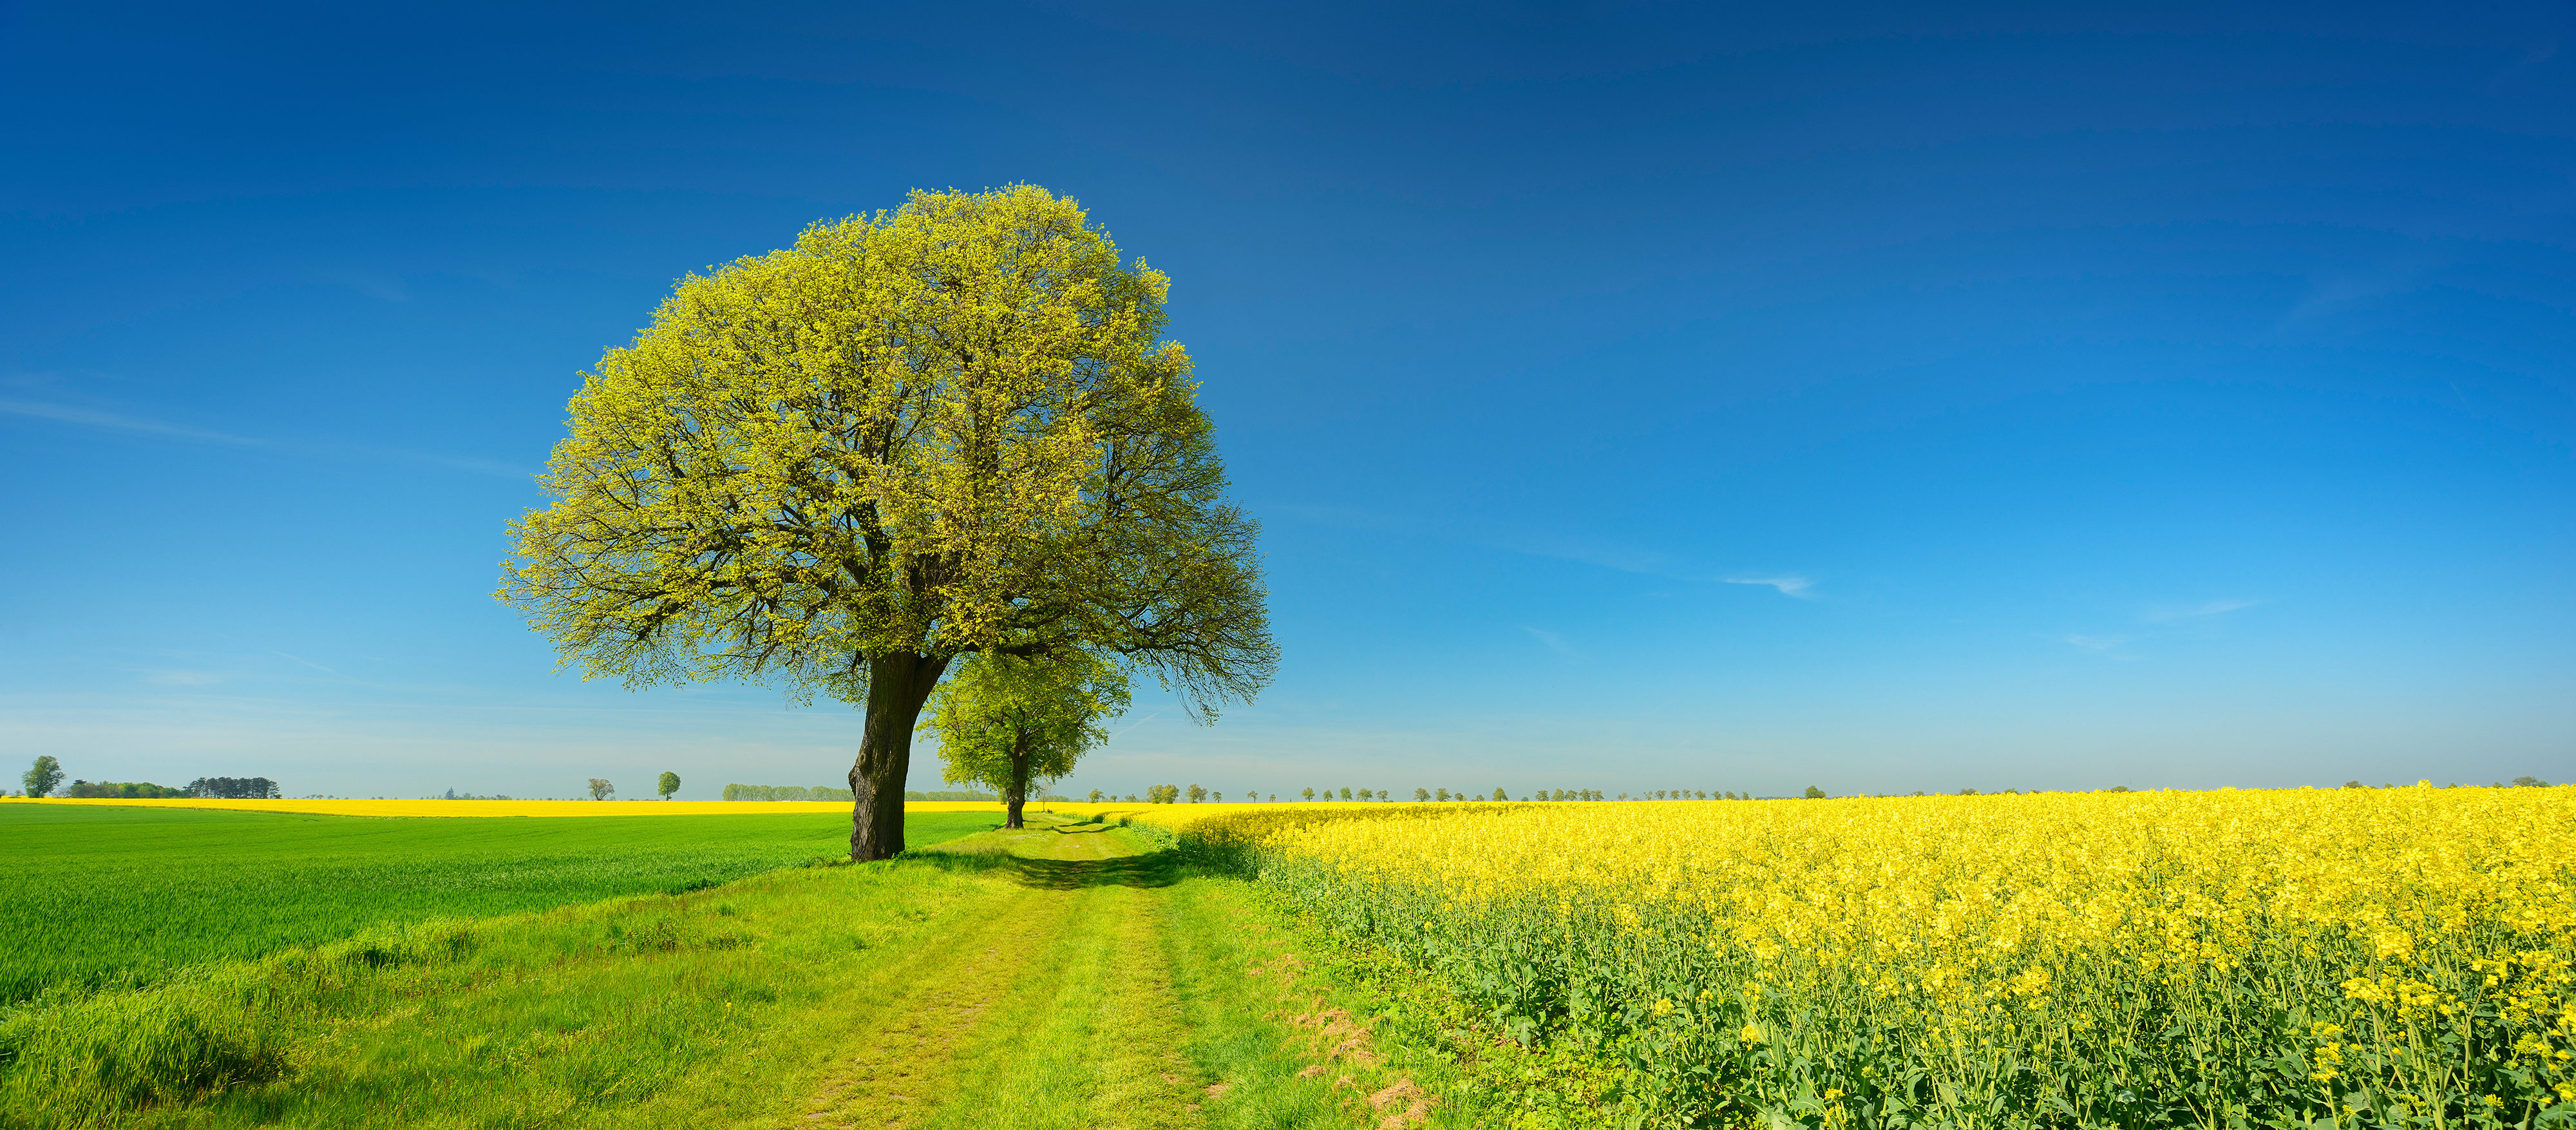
947, 429
1005, 721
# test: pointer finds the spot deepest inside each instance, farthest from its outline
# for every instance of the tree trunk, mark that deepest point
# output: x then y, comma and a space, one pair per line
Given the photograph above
1018, 796
897, 686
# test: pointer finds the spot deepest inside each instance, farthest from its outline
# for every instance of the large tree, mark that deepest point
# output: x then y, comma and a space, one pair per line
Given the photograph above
1004, 721
951, 428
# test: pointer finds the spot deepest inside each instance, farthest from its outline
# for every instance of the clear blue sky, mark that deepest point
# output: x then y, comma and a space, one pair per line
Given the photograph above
1634, 396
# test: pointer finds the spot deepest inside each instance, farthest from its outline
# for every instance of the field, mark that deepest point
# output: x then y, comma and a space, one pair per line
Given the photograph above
1071, 975
2361, 957
101, 894
2385, 957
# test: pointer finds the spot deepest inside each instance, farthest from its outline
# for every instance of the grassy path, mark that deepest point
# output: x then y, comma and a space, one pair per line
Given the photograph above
1091, 998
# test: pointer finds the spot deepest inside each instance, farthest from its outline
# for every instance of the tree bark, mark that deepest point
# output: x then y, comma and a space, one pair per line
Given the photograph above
898, 685
1018, 797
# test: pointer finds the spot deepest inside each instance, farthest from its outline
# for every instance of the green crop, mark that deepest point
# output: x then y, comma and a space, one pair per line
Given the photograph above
107, 896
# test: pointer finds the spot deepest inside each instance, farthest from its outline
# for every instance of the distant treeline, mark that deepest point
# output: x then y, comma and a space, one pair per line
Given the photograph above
227, 788
121, 790
785, 792
827, 792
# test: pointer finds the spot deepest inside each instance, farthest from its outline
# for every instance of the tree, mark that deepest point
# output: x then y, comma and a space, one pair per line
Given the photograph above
2529, 783
953, 428
1814, 793
42, 777
600, 789
1095, 796
1309, 795
1003, 721
1198, 794
670, 783
1500, 795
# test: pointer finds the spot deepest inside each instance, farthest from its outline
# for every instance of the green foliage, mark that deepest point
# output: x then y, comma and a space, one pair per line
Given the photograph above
43, 776
670, 783
1004, 721
949, 428
600, 789
101, 896
823, 792
1163, 794
122, 790
235, 788
1814, 793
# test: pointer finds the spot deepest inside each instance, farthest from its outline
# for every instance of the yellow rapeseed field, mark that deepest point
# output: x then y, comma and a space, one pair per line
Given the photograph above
2373, 957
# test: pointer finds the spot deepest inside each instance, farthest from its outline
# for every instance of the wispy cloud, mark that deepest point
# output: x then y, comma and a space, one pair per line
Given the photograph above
2190, 611
117, 421
1788, 586
453, 462
1607, 555
2095, 643
67, 414
1554, 642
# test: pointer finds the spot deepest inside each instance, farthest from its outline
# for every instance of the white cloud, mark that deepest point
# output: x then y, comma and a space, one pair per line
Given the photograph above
1788, 586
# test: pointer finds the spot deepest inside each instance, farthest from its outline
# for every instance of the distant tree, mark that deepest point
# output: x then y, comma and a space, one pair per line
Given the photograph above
1814, 793
2354, 785
600, 789
43, 776
1274, 797
1308, 794
1501, 795
1095, 796
1198, 794
670, 783
2529, 783
1006, 721
1252, 795
1346, 794
1420, 795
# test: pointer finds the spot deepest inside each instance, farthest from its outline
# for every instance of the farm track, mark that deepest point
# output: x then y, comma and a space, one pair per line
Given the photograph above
1054, 1007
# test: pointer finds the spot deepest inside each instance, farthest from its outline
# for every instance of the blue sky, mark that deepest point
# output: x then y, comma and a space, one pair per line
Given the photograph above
1633, 396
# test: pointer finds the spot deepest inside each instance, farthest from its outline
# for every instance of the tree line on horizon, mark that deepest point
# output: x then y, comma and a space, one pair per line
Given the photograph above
45, 778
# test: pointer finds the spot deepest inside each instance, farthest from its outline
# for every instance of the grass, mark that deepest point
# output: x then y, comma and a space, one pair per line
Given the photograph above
101, 896
1062, 976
